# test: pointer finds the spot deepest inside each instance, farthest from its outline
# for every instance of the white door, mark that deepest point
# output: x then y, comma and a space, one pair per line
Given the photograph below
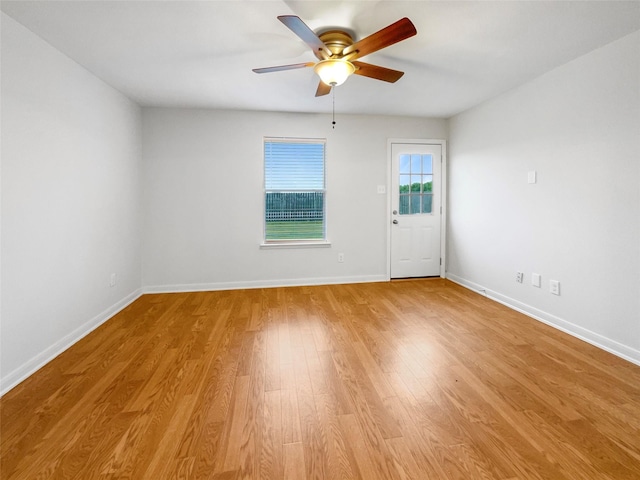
415, 210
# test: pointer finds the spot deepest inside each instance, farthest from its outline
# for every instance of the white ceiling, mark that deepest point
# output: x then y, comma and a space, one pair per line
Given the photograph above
200, 53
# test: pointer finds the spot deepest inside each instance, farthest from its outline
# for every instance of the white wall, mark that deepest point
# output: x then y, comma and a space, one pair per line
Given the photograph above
203, 197
70, 202
579, 128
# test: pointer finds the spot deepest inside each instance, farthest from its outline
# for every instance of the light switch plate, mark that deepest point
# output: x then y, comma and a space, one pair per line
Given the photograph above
535, 280
382, 189
531, 176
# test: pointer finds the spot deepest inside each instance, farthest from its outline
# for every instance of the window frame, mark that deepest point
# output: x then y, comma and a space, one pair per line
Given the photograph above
294, 243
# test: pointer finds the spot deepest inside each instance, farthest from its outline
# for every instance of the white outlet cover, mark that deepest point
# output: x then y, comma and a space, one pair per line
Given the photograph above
536, 280
531, 176
382, 189
554, 287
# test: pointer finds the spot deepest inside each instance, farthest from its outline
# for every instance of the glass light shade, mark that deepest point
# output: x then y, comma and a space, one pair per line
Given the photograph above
334, 72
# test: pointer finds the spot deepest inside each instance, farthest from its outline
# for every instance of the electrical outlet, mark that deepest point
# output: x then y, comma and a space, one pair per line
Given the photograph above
341, 258
112, 280
554, 287
519, 277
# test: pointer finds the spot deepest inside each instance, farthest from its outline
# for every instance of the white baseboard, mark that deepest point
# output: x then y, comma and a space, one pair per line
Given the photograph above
298, 282
623, 351
21, 373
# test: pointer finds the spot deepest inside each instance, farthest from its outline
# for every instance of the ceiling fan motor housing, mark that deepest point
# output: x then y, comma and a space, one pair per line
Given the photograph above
336, 41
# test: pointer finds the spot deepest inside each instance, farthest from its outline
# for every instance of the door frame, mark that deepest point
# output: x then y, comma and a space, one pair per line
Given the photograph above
443, 194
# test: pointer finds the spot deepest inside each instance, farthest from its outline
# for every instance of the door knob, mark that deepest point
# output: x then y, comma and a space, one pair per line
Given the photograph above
395, 222
395, 212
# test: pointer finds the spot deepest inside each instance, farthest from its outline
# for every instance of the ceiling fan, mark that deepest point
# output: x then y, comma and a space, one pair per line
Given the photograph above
337, 52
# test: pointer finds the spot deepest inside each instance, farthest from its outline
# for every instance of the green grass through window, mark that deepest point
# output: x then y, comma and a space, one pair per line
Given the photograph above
294, 230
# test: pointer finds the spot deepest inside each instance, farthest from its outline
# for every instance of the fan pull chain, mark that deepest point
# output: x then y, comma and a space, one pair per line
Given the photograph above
333, 119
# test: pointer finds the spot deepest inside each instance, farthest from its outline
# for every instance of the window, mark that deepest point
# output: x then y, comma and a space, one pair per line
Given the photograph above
416, 184
294, 190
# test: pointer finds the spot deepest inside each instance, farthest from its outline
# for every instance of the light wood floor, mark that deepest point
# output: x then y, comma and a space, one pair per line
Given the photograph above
414, 379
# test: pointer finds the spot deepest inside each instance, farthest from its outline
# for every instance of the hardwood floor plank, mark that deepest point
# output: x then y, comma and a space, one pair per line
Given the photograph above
403, 459
338, 461
566, 456
225, 378
289, 405
373, 371
271, 454
493, 401
356, 448
272, 366
314, 367
207, 451
335, 386
432, 439
284, 342
314, 438
534, 385
419, 379
232, 437
167, 447
294, 465
251, 446
421, 450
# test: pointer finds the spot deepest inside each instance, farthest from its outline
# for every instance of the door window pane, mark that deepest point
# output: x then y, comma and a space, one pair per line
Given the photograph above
415, 203
404, 164
404, 205
415, 183
427, 183
427, 203
427, 164
416, 163
416, 179
405, 181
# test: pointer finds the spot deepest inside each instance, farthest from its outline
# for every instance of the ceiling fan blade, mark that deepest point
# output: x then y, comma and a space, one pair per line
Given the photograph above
394, 33
323, 89
280, 68
308, 36
379, 73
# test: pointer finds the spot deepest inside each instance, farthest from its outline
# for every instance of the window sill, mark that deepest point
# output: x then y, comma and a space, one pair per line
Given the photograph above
311, 244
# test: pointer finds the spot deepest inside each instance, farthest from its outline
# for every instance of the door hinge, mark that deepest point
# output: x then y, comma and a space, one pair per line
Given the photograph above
441, 262
440, 209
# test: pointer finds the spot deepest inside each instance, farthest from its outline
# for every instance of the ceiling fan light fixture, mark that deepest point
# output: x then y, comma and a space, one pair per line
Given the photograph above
334, 72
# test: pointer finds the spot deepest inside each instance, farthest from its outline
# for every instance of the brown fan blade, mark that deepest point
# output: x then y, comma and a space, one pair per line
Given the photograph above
323, 89
379, 73
308, 36
394, 33
280, 68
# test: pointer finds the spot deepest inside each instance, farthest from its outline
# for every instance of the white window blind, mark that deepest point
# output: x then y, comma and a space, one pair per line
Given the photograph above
294, 184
